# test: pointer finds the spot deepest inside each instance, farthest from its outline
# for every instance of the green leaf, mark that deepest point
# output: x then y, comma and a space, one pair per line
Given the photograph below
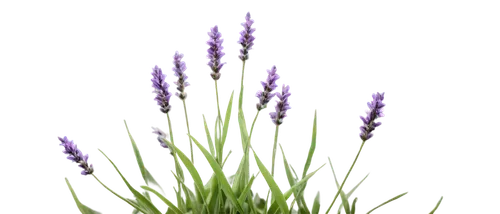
206, 131
129, 201
190, 197
146, 175
213, 187
278, 195
169, 204
353, 208
345, 202
287, 194
338, 186
136, 193
392, 199
312, 148
358, 184
246, 191
84, 209
316, 205
291, 176
335, 175
226, 119
190, 167
220, 176
437, 205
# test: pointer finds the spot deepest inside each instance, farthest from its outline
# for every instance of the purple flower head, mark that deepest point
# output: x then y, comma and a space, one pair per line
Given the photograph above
179, 68
269, 85
75, 155
161, 90
215, 52
281, 106
246, 38
160, 136
376, 110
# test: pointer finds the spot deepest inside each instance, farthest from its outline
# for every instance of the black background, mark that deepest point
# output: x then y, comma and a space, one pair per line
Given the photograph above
94, 68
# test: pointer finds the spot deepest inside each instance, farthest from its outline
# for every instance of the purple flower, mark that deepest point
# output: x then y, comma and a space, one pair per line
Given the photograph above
75, 155
281, 106
160, 137
179, 68
161, 89
269, 85
376, 111
215, 52
246, 39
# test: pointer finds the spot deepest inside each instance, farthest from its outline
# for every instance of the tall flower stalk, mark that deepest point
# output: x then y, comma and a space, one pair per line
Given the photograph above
215, 54
246, 41
370, 119
179, 68
277, 117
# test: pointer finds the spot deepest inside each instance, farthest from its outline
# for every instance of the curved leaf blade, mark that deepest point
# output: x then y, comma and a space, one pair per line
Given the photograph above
437, 205
146, 175
84, 209
169, 204
220, 176
393, 198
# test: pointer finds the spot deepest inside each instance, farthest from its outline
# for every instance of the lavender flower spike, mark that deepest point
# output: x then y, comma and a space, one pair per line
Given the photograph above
161, 90
75, 155
282, 106
179, 68
376, 110
246, 39
269, 85
160, 136
215, 52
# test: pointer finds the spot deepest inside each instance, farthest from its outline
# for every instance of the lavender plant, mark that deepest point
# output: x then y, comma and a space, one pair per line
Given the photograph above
222, 194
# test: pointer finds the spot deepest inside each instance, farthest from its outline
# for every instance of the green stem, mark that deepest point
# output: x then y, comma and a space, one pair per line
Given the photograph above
253, 123
274, 151
119, 196
242, 86
187, 129
347, 175
175, 153
218, 121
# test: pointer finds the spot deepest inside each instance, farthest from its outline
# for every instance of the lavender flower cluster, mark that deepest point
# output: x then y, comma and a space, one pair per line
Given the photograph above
161, 90
246, 39
271, 92
75, 155
376, 110
215, 52
179, 68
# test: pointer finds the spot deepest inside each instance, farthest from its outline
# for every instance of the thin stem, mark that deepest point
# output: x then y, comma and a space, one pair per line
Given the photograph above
251, 129
175, 153
118, 195
274, 152
218, 121
103, 185
349, 171
186, 129
242, 86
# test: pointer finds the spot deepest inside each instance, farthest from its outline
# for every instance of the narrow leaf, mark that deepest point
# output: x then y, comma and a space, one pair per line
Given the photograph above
209, 138
169, 204
129, 201
316, 205
136, 193
146, 175
354, 189
287, 194
291, 176
437, 205
353, 208
246, 191
391, 199
190, 167
278, 195
84, 209
345, 202
220, 176
312, 148
226, 119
